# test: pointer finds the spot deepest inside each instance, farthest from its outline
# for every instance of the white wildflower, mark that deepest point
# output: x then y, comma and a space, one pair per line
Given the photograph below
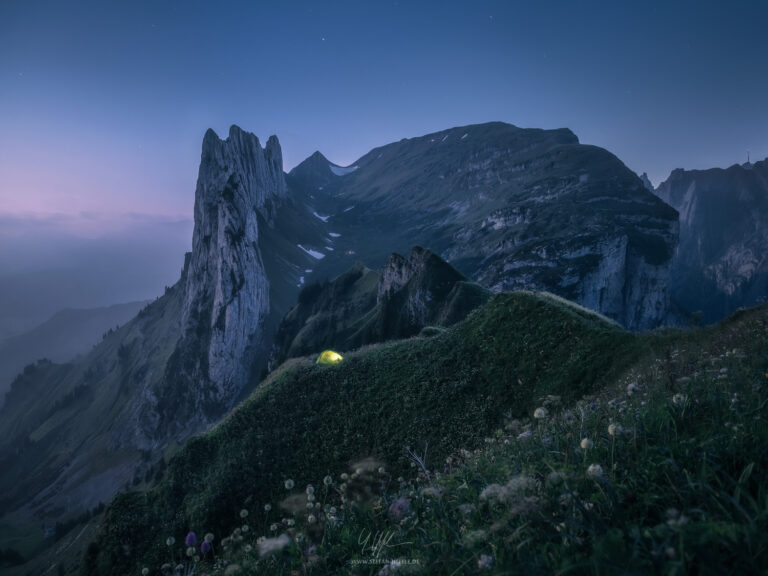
271, 545
595, 471
485, 562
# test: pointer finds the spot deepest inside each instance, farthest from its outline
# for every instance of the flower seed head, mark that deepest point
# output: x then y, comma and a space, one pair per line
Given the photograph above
595, 471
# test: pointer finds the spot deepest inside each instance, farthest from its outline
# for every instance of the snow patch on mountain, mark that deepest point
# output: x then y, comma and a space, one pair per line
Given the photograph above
339, 171
314, 253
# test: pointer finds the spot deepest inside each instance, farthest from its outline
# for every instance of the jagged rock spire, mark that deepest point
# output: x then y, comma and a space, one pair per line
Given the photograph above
227, 291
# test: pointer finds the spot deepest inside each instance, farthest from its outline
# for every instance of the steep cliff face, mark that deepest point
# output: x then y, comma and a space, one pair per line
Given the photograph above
510, 208
721, 262
227, 292
416, 290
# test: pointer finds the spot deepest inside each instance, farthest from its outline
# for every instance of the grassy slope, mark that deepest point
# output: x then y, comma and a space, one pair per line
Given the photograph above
682, 488
305, 421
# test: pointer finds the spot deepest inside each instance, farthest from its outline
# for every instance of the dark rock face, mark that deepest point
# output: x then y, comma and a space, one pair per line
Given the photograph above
510, 208
721, 263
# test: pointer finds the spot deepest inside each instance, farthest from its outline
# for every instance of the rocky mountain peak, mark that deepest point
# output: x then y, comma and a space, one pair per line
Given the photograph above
398, 270
647, 182
240, 164
422, 268
227, 292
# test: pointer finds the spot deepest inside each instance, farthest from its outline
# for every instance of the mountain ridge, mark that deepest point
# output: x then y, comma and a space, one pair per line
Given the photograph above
362, 306
510, 208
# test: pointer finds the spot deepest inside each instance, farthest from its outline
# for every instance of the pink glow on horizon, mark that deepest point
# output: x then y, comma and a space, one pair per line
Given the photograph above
101, 175
85, 225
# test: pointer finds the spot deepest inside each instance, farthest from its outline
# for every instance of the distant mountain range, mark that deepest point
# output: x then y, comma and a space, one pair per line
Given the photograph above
278, 269
62, 337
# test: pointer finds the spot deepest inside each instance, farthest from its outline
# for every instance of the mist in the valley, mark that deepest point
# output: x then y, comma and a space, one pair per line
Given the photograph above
84, 261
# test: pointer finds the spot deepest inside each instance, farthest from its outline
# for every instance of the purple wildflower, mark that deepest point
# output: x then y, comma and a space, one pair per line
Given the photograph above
205, 547
191, 539
446, 470
399, 509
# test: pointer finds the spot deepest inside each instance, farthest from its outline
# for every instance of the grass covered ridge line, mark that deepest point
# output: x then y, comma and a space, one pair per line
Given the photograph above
306, 421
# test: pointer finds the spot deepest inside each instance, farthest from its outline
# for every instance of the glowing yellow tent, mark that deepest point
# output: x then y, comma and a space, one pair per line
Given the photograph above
329, 357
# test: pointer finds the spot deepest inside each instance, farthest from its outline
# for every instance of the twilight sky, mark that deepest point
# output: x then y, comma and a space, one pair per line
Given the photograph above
103, 104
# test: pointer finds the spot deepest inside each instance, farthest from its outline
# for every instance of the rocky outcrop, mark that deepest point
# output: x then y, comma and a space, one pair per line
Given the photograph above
646, 182
415, 288
721, 263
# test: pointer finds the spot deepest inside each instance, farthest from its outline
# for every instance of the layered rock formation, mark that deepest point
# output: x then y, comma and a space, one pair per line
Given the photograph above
721, 263
510, 208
